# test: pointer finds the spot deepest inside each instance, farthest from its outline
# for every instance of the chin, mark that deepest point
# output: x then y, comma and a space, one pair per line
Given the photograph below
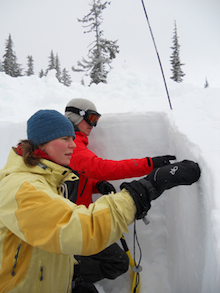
65, 162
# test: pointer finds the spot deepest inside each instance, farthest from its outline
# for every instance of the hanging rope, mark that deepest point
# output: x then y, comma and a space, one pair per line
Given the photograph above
168, 96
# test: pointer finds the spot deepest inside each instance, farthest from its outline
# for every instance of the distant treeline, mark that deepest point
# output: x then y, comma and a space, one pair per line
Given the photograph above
10, 66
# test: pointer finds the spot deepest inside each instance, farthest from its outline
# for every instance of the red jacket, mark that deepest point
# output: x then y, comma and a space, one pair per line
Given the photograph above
86, 162
87, 186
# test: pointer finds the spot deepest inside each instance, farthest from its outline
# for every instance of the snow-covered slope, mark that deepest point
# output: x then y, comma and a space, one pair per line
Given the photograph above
180, 246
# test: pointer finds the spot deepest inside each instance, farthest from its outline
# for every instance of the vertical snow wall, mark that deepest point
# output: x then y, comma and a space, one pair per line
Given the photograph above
178, 249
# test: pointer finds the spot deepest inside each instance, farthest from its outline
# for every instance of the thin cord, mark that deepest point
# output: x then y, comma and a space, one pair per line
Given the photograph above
168, 96
137, 266
135, 239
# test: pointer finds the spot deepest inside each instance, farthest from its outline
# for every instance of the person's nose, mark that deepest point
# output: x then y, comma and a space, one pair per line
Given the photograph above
72, 145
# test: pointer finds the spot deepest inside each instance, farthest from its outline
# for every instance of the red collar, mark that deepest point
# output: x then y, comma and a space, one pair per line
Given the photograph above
38, 152
80, 135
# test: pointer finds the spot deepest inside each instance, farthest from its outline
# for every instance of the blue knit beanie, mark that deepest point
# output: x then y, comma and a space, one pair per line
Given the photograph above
47, 125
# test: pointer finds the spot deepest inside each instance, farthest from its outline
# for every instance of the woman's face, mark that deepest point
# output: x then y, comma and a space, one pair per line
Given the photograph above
60, 149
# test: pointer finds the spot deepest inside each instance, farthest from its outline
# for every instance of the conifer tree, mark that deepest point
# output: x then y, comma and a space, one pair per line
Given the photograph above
177, 72
30, 64
1, 67
206, 83
51, 64
102, 51
66, 79
57, 67
41, 73
10, 65
17, 68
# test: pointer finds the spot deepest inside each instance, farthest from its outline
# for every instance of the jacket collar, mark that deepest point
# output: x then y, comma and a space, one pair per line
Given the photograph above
52, 172
80, 135
38, 153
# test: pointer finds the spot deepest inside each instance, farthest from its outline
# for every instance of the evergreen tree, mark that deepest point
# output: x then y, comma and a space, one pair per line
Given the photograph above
41, 73
206, 83
10, 65
17, 68
66, 79
175, 59
30, 65
1, 67
8, 62
51, 64
101, 51
57, 67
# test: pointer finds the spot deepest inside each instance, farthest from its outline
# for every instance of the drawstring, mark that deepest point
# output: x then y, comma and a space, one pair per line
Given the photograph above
41, 273
16, 259
64, 190
40, 279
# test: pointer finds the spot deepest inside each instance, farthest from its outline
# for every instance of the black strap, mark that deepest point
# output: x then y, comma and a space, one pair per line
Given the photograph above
148, 161
75, 110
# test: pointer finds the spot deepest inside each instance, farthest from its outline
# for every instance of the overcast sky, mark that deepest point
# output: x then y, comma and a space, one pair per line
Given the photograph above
39, 26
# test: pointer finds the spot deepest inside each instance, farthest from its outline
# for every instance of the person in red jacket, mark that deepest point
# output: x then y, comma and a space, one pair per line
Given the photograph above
84, 116
87, 187
113, 261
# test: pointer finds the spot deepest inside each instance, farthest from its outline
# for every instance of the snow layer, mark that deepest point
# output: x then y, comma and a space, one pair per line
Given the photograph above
181, 245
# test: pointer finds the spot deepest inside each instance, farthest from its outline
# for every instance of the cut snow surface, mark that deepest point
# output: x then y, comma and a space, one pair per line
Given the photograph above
181, 245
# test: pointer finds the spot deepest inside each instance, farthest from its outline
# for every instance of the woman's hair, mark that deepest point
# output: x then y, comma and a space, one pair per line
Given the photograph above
28, 153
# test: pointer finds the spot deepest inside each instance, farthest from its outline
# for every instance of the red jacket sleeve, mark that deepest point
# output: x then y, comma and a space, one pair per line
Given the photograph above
86, 162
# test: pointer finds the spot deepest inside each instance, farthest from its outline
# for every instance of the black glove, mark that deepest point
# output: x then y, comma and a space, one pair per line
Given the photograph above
181, 173
160, 179
84, 287
162, 161
105, 187
141, 195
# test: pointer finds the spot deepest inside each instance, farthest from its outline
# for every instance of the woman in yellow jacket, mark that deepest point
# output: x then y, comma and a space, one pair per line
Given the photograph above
40, 230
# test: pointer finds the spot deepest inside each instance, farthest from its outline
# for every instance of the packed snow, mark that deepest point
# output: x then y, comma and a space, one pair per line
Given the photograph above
181, 244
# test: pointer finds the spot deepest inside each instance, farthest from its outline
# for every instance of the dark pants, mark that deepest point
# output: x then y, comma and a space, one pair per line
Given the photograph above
109, 263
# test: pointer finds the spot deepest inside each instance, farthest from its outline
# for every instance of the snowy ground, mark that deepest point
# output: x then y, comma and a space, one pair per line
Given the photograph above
181, 245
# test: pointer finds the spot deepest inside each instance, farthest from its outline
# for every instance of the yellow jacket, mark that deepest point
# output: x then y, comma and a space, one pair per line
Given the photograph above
41, 231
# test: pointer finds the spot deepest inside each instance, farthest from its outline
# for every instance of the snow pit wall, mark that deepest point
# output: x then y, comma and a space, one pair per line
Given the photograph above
177, 246
178, 250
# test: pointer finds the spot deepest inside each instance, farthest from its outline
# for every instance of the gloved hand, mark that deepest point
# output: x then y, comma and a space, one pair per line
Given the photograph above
105, 187
152, 186
162, 160
181, 173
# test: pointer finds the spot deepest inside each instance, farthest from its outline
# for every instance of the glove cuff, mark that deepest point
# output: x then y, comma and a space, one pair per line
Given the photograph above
97, 184
140, 195
150, 188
